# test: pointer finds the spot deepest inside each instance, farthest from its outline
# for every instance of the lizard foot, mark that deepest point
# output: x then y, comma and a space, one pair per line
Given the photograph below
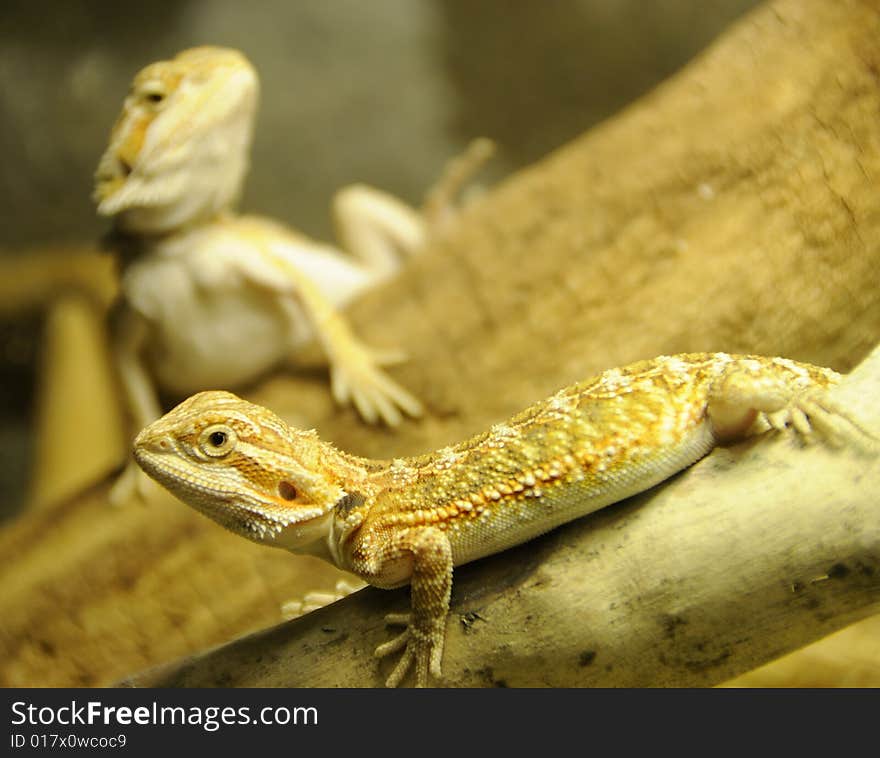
131, 484
422, 647
814, 415
315, 599
360, 380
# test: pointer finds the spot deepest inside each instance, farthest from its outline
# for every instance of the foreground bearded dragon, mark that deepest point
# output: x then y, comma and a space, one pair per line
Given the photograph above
410, 520
210, 298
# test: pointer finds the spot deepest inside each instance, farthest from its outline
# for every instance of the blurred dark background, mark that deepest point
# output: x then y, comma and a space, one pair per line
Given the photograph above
381, 92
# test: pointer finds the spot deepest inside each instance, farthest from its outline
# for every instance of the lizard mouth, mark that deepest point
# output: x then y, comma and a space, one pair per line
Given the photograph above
111, 176
162, 465
114, 170
229, 508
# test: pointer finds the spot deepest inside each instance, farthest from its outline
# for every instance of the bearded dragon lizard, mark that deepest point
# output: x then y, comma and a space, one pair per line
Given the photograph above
411, 520
212, 299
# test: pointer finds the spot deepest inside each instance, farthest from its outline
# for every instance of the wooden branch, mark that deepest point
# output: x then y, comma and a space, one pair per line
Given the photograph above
758, 550
734, 209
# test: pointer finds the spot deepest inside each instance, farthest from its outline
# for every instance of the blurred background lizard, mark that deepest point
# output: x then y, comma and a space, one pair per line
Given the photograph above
212, 299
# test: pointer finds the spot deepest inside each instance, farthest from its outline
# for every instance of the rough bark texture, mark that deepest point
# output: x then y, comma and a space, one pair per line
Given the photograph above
91, 593
732, 209
751, 553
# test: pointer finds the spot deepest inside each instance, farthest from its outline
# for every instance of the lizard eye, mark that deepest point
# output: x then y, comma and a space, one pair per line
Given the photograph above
217, 440
152, 94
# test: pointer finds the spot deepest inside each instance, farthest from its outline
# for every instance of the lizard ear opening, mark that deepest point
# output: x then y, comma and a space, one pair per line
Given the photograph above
348, 502
286, 490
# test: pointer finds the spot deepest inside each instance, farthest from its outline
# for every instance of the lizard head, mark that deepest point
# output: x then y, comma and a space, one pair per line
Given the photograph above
179, 150
244, 467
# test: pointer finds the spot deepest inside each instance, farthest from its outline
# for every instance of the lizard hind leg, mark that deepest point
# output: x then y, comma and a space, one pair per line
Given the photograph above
746, 400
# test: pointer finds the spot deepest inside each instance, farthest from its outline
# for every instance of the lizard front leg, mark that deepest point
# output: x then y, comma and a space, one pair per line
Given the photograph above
355, 370
422, 641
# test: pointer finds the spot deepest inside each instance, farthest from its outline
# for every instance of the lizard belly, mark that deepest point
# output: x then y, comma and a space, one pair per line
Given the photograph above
508, 523
234, 331
228, 342
222, 307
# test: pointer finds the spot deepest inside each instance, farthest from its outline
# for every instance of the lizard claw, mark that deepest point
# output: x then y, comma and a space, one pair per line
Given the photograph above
424, 648
360, 380
814, 414
389, 357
